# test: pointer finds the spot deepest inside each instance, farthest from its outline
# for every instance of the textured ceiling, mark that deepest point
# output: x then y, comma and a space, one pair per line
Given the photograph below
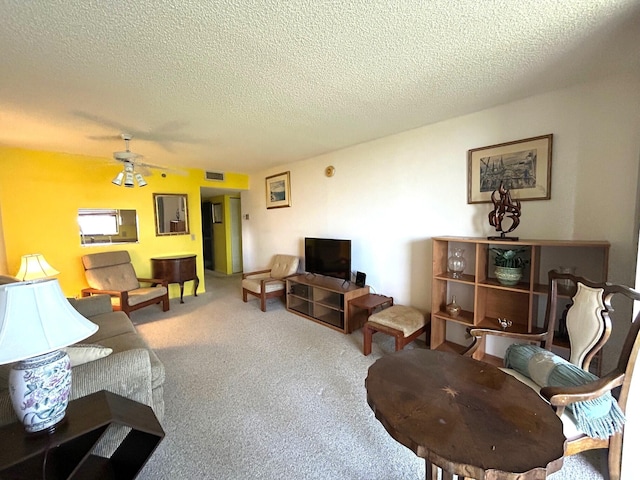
243, 85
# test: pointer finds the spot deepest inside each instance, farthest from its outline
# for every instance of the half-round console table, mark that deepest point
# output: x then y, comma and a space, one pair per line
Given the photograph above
176, 269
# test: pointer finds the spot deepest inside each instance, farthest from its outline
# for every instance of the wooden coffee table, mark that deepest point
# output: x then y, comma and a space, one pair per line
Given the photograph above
465, 416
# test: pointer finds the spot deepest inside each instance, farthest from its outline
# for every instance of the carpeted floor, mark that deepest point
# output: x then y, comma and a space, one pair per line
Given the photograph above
253, 395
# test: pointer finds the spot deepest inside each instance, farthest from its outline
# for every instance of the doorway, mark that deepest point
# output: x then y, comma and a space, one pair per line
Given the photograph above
222, 233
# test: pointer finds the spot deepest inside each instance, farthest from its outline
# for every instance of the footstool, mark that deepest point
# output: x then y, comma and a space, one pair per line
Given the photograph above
404, 323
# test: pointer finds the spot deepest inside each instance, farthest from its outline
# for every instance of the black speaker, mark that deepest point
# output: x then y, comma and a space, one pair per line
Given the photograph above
361, 278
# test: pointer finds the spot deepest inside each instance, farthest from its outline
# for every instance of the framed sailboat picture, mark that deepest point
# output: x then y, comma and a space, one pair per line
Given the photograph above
522, 166
278, 190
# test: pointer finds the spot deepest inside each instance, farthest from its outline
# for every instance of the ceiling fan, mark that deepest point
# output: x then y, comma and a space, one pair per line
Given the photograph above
134, 168
130, 161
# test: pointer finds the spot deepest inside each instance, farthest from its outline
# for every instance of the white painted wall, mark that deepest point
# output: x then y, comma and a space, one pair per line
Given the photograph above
390, 196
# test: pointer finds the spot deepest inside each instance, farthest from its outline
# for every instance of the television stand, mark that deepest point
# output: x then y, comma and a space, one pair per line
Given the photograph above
324, 300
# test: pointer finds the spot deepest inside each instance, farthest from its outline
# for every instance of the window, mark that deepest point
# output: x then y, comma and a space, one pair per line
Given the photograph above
98, 222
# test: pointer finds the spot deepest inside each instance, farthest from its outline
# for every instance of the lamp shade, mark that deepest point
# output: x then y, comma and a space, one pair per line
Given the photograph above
34, 266
118, 179
36, 318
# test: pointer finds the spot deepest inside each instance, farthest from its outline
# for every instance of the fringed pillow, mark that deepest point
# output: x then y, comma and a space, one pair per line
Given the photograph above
598, 418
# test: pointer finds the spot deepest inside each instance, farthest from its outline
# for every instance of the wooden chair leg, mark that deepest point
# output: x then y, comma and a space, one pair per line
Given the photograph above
263, 303
165, 303
399, 342
615, 457
368, 334
244, 295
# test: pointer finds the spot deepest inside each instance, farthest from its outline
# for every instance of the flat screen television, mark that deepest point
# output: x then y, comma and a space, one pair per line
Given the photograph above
327, 256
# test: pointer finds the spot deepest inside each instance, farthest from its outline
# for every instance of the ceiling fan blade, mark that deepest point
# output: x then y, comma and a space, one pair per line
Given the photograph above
175, 171
142, 170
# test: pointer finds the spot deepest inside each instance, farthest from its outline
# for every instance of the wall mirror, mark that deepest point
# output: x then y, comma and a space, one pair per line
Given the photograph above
171, 213
100, 226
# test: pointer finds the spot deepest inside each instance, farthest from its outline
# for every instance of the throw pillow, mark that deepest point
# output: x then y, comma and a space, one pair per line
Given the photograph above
84, 352
600, 417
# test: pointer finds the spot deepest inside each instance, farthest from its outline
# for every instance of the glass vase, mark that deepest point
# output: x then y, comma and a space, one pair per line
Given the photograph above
453, 309
456, 263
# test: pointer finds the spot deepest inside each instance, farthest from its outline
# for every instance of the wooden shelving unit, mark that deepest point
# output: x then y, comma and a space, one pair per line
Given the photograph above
324, 300
484, 299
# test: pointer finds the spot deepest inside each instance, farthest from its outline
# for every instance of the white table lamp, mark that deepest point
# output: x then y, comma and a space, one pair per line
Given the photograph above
36, 322
34, 266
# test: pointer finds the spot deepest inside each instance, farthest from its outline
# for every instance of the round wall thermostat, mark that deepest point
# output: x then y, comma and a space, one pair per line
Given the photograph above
329, 171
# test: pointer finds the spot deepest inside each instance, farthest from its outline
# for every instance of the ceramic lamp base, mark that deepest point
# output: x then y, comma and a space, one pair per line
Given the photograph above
39, 389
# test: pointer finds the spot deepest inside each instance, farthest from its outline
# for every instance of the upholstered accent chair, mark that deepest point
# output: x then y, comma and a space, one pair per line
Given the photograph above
113, 273
589, 326
270, 282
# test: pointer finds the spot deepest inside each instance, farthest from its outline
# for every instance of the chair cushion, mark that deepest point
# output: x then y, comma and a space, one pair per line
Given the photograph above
105, 259
600, 417
284, 265
120, 277
253, 284
399, 317
143, 294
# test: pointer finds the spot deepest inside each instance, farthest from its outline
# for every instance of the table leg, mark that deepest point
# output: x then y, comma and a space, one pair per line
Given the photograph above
195, 286
431, 472
181, 291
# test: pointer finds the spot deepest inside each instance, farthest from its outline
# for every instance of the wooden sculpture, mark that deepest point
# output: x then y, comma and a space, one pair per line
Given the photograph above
505, 206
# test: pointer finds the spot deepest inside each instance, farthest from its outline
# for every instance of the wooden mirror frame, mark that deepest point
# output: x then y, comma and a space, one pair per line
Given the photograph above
171, 213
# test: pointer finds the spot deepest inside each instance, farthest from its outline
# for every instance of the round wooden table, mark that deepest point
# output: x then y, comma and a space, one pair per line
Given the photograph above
467, 417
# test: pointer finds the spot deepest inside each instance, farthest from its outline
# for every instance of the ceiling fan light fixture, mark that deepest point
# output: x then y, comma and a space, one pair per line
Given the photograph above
141, 181
128, 180
118, 179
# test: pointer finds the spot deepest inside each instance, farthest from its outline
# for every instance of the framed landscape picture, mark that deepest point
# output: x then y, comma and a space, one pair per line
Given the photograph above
523, 166
278, 190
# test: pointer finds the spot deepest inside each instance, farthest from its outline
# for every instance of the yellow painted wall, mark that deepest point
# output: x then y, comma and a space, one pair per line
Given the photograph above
41, 192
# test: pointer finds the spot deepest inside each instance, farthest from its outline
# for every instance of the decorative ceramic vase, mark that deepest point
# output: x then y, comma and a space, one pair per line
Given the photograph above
40, 390
456, 263
508, 275
453, 309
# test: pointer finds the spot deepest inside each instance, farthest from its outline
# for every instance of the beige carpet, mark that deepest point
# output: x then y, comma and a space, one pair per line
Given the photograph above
253, 395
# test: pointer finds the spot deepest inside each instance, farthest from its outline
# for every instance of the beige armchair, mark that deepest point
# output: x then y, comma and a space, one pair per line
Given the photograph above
269, 283
589, 327
112, 273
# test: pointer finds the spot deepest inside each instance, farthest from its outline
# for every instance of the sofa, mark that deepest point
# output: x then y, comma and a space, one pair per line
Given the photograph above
131, 369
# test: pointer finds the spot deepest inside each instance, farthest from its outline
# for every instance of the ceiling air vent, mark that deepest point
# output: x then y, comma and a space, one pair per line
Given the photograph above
216, 176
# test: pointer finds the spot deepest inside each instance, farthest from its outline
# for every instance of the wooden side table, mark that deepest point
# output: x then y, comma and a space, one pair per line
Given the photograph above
67, 450
370, 303
176, 269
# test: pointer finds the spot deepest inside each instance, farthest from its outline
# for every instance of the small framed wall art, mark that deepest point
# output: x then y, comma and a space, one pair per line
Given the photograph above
522, 166
278, 189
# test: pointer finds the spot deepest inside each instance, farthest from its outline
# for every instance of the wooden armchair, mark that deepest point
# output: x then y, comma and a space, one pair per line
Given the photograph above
112, 273
269, 283
589, 327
